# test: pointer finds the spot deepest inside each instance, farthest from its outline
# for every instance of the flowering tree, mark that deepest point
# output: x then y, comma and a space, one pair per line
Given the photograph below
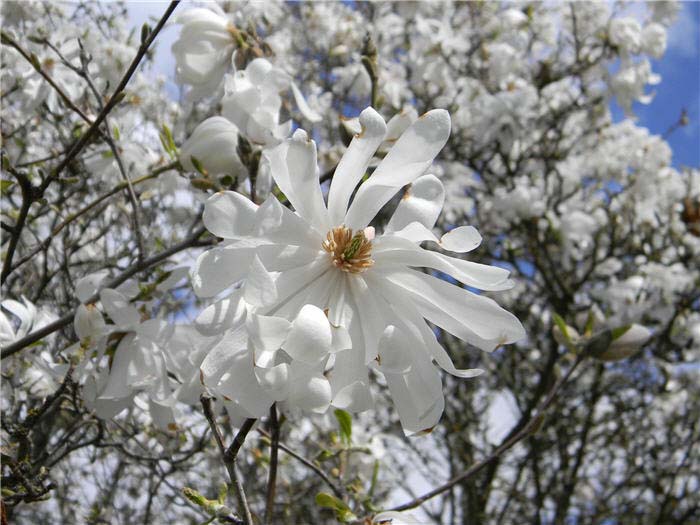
260, 301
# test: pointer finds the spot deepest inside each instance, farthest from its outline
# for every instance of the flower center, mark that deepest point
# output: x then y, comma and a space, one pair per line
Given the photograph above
351, 253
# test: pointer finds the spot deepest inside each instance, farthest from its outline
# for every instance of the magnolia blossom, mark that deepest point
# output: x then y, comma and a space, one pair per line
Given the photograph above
329, 257
214, 144
138, 364
391, 517
204, 49
29, 318
252, 101
267, 359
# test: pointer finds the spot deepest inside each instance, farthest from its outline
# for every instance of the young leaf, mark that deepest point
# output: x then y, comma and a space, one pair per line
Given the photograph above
345, 422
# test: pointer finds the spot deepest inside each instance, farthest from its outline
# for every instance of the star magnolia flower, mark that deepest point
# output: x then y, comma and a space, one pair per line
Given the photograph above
328, 256
138, 365
252, 101
248, 370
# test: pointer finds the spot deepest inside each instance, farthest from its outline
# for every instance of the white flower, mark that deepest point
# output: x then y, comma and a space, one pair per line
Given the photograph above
138, 364
628, 84
214, 144
252, 101
327, 256
391, 517
29, 316
654, 40
267, 359
203, 50
626, 33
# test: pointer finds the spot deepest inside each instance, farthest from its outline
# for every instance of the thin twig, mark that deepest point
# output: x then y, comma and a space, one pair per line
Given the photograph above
530, 427
36, 193
274, 452
116, 97
229, 462
232, 451
67, 319
337, 491
118, 188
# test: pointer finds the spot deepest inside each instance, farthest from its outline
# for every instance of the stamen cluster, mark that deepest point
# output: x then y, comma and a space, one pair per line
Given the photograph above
350, 253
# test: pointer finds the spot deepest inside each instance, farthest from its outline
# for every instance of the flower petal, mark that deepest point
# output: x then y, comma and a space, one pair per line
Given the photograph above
353, 164
310, 337
218, 268
119, 309
229, 214
422, 202
395, 250
304, 109
259, 288
460, 312
222, 315
406, 161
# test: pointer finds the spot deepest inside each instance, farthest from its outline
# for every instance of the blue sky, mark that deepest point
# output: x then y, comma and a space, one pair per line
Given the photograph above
679, 69
679, 88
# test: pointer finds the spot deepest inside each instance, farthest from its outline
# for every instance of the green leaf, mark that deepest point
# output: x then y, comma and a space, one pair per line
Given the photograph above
5, 185
342, 511
115, 131
590, 320
345, 421
323, 499
198, 165
561, 325
620, 331
171, 147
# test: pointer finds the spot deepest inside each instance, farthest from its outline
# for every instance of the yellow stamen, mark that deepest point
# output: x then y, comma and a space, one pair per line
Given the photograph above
350, 253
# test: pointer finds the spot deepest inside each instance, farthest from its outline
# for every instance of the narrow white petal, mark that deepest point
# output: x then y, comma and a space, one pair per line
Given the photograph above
371, 309
461, 239
418, 398
276, 224
221, 356
460, 312
353, 164
394, 354
303, 175
222, 315
88, 322
240, 384
422, 202
259, 288
405, 162
303, 106
267, 333
402, 252
355, 397
416, 233
89, 285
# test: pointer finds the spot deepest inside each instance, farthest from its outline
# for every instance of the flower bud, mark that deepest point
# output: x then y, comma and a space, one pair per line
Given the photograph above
213, 144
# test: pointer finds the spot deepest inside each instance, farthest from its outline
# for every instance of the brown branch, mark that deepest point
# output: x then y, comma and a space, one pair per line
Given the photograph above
531, 426
228, 458
274, 452
67, 319
116, 97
